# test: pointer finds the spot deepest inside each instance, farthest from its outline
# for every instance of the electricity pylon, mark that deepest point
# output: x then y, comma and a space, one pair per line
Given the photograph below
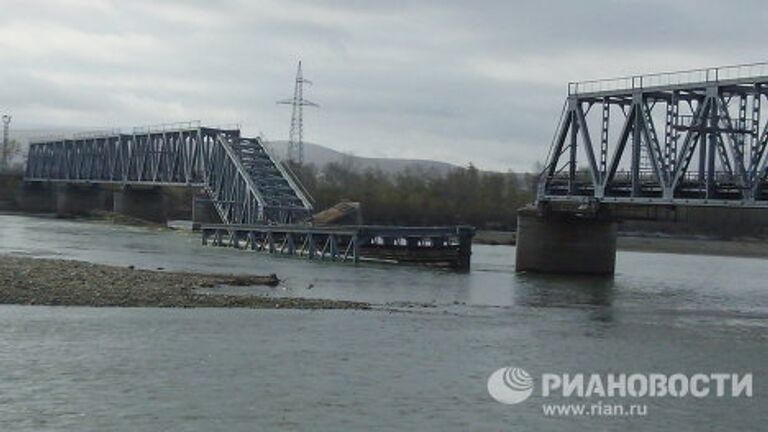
6, 145
296, 136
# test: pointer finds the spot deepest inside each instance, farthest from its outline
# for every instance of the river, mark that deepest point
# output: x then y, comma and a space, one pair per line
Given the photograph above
419, 360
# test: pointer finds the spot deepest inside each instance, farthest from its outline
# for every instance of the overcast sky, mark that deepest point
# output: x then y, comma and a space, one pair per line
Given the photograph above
459, 81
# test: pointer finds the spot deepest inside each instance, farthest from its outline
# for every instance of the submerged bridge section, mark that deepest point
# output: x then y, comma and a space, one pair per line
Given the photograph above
449, 247
246, 184
644, 146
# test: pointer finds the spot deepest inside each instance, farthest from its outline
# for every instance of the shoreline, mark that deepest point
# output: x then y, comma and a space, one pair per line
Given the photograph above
742, 248
746, 248
57, 282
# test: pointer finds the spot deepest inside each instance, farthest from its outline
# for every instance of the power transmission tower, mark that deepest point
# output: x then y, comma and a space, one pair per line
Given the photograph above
6, 144
296, 137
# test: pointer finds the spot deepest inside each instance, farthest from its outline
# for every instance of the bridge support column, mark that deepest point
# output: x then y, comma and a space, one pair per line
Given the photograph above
80, 200
36, 197
9, 185
564, 243
147, 203
203, 212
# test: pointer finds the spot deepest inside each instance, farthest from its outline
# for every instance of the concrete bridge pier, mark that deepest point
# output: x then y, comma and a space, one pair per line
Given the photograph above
203, 212
565, 243
148, 203
9, 188
36, 197
79, 200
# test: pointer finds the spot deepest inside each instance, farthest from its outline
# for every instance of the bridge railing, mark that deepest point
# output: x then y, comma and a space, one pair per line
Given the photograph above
167, 127
690, 76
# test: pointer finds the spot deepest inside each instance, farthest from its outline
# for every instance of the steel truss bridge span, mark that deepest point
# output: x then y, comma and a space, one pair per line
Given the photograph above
693, 138
433, 246
246, 184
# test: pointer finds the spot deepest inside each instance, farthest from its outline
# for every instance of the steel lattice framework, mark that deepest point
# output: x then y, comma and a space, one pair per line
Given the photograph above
296, 137
245, 183
708, 148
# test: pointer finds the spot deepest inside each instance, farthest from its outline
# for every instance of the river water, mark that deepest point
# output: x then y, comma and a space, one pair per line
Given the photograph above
419, 361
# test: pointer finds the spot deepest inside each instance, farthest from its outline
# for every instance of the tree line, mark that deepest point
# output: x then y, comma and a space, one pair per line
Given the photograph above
462, 196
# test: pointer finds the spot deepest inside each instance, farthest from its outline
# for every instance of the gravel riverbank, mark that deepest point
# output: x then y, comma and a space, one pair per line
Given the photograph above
72, 283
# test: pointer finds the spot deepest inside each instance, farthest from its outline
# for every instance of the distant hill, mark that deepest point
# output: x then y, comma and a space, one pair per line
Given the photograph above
321, 156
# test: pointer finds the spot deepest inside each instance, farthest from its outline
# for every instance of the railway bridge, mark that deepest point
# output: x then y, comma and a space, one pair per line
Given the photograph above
259, 203
642, 147
245, 183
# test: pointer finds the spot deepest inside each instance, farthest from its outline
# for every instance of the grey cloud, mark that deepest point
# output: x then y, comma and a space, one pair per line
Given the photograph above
393, 77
